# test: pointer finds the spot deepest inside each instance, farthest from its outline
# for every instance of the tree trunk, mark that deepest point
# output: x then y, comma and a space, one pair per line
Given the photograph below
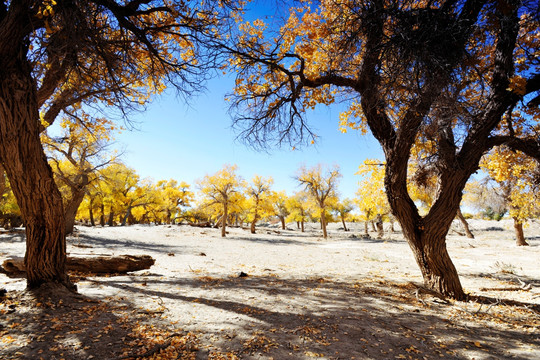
380, 228
520, 237
343, 222
323, 223
30, 176
282, 218
92, 264
224, 220
366, 228
255, 218
102, 216
91, 212
72, 206
302, 225
465, 224
110, 222
373, 226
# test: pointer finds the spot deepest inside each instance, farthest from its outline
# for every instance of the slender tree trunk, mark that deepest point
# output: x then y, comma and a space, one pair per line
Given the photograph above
302, 224
224, 220
520, 237
373, 226
72, 206
465, 224
102, 215
343, 222
298, 224
366, 228
380, 228
30, 176
255, 218
91, 212
126, 216
323, 223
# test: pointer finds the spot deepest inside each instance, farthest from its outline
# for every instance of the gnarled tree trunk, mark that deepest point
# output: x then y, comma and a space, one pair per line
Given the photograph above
30, 175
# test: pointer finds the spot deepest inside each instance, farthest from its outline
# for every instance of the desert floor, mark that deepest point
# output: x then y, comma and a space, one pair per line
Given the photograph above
304, 297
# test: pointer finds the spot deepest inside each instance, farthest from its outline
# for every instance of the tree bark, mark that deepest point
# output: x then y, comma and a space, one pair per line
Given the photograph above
380, 228
282, 219
72, 206
465, 224
91, 212
520, 237
323, 223
95, 265
110, 222
224, 220
30, 175
343, 222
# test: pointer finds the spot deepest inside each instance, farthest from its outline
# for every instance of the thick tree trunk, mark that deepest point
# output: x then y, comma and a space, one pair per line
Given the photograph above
366, 228
465, 224
520, 237
438, 271
31, 177
427, 235
282, 219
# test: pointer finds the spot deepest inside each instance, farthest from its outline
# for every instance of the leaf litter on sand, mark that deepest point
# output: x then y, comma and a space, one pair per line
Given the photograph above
329, 304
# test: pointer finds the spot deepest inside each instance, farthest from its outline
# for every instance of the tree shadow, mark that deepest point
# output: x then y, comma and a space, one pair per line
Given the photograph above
294, 318
12, 237
107, 242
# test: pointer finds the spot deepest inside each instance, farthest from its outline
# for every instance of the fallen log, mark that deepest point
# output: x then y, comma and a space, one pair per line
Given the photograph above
201, 225
96, 265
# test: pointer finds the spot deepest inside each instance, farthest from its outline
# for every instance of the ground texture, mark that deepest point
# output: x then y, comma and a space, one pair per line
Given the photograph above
278, 294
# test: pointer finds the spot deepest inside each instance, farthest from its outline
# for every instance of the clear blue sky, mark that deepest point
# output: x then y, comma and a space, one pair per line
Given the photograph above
185, 143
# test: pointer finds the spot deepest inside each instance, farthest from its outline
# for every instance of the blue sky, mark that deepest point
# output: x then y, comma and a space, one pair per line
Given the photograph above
186, 142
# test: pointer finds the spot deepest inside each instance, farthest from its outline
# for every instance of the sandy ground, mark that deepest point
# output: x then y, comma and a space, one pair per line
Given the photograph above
304, 297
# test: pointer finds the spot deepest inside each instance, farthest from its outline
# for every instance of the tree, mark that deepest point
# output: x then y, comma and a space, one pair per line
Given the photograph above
76, 155
515, 176
171, 196
298, 208
280, 207
80, 58
343, 210
260, 199
222, 189
447, 73
321, 185
371, 197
